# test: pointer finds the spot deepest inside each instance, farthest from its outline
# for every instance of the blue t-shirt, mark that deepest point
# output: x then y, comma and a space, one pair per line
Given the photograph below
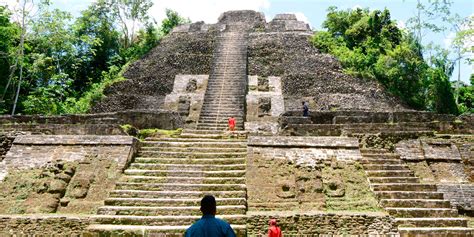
210, 226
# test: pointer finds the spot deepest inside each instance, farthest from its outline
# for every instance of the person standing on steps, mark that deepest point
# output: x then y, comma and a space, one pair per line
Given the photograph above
273, 229
232, 124
305, 109
209, 225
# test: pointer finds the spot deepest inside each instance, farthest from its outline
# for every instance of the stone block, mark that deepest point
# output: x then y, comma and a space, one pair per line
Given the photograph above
285, 17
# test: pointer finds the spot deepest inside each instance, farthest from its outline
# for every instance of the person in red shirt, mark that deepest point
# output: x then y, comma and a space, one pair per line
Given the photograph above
273, 229
232, 124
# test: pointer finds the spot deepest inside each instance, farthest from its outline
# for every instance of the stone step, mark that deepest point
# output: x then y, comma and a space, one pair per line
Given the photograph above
160, 211
222, 106
390, 173
221, 101
408, 195
147, 230
194, 140
182, 180
219, 118
381, 161
431, 222
223, 144
162, 154
374, 151
222, 90
403, 187
237, 128
215, 124
195, 149
218, 124
161, 220
385, 167
224, 103
207, 136
196, 131
162, 202
216, 84
383, 156
176, 194
436, 231
188, 173
425, 203
187, 167
394, 180
220, 161
179, 187
221, 112
421, 212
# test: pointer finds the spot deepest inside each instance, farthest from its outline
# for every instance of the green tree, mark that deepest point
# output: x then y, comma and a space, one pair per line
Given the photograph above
369, 45
441, 92
9, 36
130, 13
172, 20
98, 44
403, 72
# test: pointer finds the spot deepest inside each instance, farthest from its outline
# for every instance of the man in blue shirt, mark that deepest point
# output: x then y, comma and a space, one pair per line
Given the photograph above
209, 225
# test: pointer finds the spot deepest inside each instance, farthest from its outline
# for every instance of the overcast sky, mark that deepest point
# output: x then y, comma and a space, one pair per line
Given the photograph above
311, 11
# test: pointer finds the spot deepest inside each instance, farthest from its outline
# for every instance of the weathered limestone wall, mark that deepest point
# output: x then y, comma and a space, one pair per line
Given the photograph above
92, 124
307, 223
187, 97
5, 144
460, 195
62, 173
438, 160
286, 22
34, 151
151, 78
264, 105
308, 75
285, 172
445, 161
39, 225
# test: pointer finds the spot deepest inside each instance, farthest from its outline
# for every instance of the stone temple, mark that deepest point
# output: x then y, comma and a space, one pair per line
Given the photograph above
362, 164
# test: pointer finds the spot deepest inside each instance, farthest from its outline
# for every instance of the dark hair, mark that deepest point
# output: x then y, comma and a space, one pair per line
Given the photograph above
208, 205
302, 102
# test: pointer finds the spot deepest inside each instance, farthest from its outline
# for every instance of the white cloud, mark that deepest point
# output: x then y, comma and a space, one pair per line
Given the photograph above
357, 6
301, 17
205, 10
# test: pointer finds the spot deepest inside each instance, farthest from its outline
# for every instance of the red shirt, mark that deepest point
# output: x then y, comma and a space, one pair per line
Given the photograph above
232, 122
274, 231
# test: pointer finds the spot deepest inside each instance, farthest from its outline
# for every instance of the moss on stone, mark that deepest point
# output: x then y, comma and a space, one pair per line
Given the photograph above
346, 188
154, 132
32, 191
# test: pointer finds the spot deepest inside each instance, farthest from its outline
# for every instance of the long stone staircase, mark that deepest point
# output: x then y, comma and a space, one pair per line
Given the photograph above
160, 192
419, 209
226, 90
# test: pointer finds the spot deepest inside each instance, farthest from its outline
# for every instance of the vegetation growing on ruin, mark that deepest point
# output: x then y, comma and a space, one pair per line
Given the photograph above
371, 46
149, 132
346, 188
61, 64
34, 190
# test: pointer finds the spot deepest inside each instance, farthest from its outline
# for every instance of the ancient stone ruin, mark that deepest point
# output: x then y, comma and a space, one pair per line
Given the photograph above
362, 164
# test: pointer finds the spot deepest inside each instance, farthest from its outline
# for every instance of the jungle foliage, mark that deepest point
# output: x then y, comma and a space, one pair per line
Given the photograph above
370, 46
67, 62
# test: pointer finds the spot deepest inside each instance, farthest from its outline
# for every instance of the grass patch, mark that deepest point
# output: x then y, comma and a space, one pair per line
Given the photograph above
346, 189
155, 132
149, 132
